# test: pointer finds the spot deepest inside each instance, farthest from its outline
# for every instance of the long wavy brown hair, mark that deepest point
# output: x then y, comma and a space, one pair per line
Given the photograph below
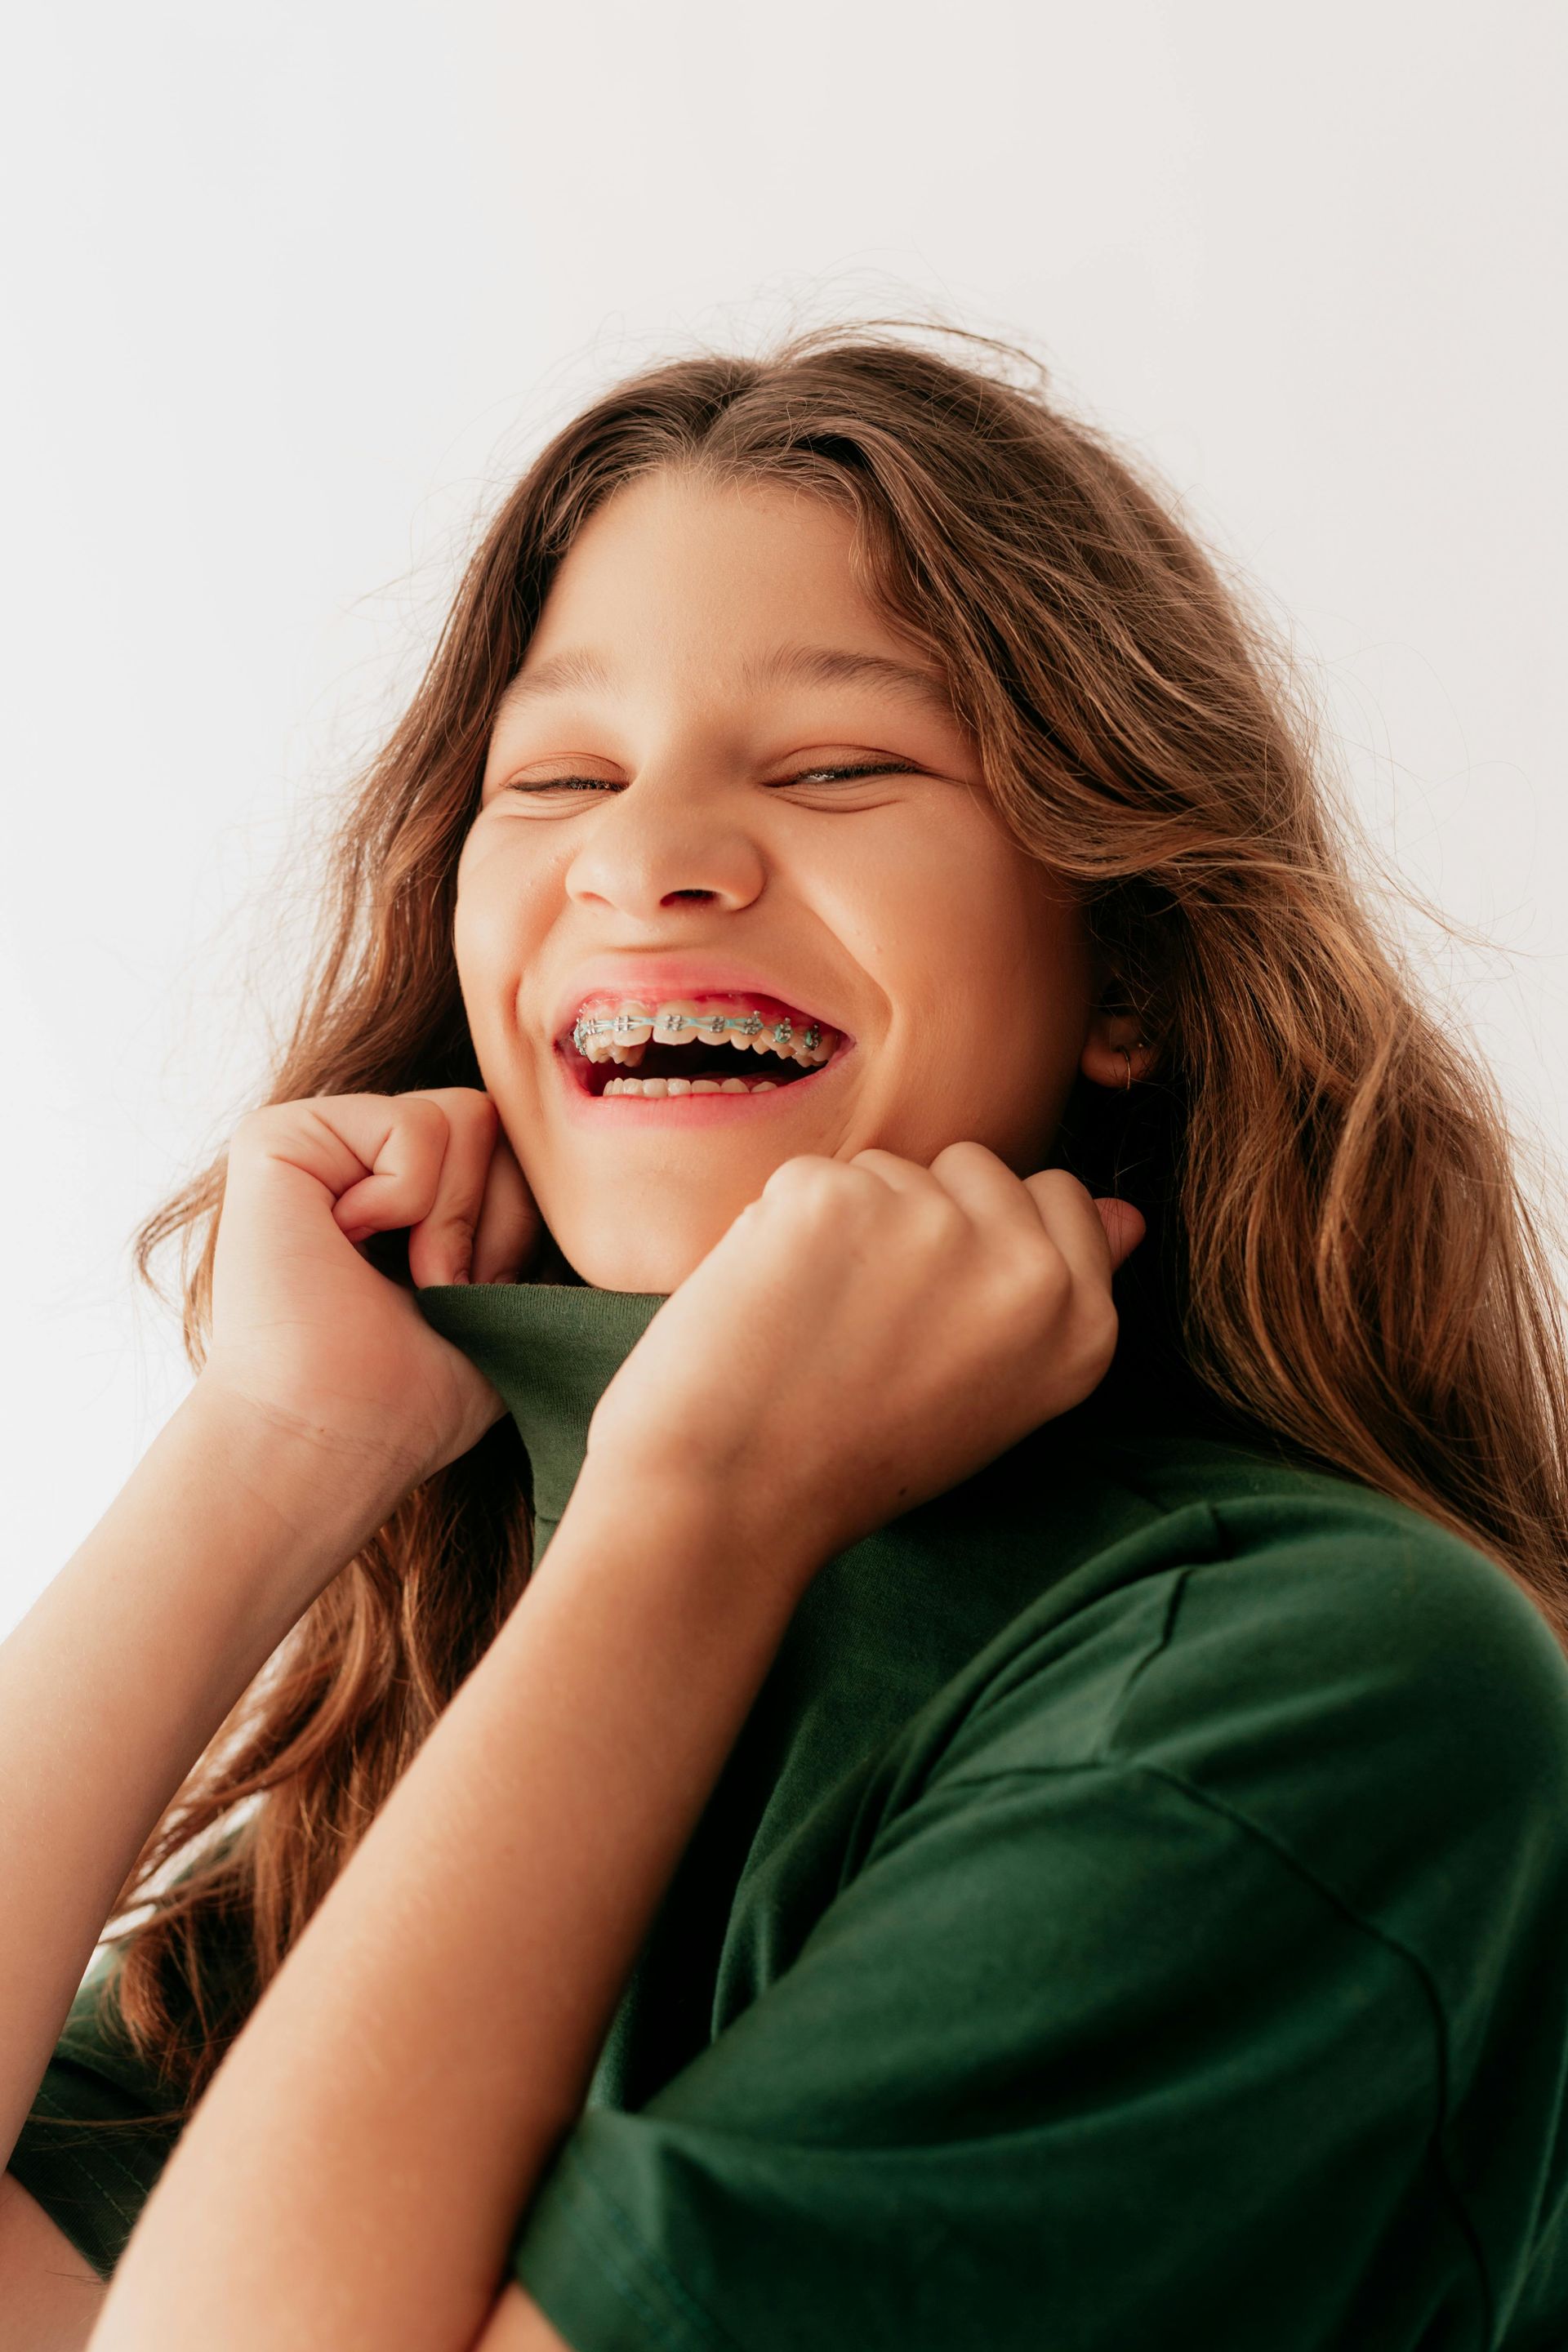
1347, 1263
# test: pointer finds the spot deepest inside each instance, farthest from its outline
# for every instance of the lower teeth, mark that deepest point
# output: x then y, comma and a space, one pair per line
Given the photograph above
656, 1087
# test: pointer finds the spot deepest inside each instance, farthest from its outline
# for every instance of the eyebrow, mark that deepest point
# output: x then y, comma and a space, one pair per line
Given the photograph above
809, 665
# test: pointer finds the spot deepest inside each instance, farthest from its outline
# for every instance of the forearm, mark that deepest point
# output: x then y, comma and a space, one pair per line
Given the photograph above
124, 1670
362, 2159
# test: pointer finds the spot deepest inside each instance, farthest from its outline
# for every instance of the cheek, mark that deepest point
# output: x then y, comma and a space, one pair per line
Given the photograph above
1036, 967
491, 951
957, 919
496, 925
907, 900
984, 963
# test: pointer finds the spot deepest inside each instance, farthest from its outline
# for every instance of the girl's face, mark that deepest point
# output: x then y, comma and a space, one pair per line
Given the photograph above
727, 806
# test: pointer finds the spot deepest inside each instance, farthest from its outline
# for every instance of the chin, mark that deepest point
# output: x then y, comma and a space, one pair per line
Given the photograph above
653, 1251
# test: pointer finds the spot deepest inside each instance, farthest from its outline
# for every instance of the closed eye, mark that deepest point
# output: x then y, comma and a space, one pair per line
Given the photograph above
803, 776
843, 775
561, 785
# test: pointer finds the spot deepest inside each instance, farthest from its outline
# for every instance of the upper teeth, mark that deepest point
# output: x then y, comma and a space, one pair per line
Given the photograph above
620, 1033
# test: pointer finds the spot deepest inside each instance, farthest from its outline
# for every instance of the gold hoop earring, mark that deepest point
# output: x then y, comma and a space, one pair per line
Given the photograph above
1127, 1081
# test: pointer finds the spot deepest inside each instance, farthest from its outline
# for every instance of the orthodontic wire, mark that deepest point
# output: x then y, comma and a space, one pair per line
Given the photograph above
671, 1025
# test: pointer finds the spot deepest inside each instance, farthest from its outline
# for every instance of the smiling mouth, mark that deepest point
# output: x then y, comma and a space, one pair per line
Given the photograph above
699, 1046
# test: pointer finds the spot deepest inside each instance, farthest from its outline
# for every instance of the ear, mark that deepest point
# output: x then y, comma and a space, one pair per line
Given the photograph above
1114, 1053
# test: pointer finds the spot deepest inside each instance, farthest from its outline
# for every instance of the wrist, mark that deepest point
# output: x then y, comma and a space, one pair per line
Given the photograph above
682, 1529
308, 1496
221, 1538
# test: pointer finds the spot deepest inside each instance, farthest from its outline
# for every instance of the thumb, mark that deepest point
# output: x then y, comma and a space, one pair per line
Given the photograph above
1124, 1228
509, 1230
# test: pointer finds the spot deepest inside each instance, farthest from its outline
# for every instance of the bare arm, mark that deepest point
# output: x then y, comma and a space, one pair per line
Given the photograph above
49, 2295
325, 1399
126, 1666
358, 2167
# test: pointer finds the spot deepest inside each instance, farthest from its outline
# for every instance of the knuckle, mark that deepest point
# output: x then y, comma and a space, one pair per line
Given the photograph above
814, 1197
420, 1114
807, 1176
248, 1129
939, 1218
1094, 1342
1102, 1325
264, 1124
470, 1104
966, 1153
1045, 1278
1054, 1186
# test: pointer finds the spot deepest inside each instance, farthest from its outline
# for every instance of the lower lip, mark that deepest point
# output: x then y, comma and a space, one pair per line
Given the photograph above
687, 1111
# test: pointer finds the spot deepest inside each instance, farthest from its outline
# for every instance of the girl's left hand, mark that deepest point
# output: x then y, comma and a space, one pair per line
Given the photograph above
866, 1333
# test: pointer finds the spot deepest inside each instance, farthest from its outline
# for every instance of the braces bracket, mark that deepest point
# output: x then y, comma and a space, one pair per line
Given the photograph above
710, 1025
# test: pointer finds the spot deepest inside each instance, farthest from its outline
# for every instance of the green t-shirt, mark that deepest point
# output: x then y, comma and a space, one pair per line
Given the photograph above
1134, 1914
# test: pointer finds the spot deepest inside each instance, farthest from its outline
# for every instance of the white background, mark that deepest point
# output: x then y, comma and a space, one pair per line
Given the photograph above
293, 290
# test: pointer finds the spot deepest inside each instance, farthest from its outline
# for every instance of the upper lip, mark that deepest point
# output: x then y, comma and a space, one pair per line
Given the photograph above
654, 980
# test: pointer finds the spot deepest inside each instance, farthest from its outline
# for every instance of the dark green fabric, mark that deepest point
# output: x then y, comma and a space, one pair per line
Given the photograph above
94, 2183
1134, 1914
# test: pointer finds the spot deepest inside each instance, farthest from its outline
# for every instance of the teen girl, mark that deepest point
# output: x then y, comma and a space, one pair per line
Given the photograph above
728, 1755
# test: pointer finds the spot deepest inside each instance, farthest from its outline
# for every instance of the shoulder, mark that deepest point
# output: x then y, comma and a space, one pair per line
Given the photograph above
1252, 1580
1328, 1667
1321, 1601
1205, 1556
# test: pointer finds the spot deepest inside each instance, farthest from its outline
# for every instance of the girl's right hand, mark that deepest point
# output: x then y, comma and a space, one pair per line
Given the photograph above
306, 1332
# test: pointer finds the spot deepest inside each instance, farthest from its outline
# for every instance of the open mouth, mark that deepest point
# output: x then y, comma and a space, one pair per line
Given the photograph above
700, 1045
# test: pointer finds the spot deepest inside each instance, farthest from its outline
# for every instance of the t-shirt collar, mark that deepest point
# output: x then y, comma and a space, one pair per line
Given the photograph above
551, 1350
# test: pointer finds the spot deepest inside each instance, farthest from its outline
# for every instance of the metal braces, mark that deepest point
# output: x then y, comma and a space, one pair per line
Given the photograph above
710, 1025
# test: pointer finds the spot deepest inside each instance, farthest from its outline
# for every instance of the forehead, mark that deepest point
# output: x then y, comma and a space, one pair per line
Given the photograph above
754, 581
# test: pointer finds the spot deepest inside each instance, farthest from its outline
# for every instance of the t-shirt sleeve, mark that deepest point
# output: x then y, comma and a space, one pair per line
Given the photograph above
92, 2154
1078, 2060
1088, 2054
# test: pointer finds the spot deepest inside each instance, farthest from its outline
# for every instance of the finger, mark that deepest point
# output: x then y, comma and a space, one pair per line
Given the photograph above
441, 1242
333, 1141
898, 1175
428, 1153
1073, 1222
509, 1225
986, 1190
1125, 1227
398, 1141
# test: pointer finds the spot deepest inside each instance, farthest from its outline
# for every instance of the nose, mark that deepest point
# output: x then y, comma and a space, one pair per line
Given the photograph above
650, 847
